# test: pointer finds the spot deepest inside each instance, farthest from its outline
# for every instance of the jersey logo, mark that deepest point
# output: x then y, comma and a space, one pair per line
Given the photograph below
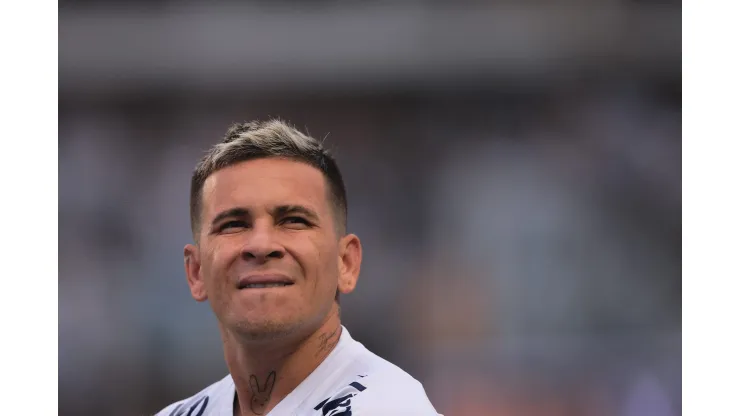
340, 406
181, 409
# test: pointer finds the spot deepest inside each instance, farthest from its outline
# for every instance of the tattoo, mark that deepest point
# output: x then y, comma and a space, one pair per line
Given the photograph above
261, 395
327, 342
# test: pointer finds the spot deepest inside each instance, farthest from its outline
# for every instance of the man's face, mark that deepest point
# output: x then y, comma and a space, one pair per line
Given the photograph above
269, 259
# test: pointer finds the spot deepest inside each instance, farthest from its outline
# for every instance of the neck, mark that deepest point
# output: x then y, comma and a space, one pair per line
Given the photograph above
264, 373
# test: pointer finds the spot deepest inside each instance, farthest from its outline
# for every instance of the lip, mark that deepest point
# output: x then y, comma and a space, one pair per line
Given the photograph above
263, 278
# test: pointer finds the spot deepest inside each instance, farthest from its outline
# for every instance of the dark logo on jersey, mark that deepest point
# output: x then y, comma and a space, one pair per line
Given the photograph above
199, 405
340, 406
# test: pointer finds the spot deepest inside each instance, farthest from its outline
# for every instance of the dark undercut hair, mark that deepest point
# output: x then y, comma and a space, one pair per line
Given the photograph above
261, 140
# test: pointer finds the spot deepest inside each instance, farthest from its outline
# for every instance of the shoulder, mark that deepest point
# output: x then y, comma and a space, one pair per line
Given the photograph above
393, 391
372, 385
390, 391
204, 400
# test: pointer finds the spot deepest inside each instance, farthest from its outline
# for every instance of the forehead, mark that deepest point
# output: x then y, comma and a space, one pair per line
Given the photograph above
262, 183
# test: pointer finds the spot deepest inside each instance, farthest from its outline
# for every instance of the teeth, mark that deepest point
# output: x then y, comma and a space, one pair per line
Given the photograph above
263, 285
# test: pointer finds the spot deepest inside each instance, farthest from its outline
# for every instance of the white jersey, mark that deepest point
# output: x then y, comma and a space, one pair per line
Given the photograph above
351, 381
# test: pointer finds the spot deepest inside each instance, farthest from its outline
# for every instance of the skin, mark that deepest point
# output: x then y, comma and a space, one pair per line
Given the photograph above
271, 216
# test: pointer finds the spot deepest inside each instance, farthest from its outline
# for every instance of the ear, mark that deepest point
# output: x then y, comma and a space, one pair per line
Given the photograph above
193, 274
350, 258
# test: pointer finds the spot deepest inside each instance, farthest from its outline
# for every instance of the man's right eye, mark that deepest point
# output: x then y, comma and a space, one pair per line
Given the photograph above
232, 226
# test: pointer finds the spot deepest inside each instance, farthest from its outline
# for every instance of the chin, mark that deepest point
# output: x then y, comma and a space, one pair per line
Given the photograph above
267, 328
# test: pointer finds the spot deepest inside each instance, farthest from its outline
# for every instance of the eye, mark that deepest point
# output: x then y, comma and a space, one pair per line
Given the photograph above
295, 221
232, 226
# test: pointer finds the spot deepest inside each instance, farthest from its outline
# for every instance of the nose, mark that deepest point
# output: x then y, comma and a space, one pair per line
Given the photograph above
261, 245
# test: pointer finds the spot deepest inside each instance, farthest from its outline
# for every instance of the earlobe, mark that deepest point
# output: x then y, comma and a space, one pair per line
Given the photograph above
193, 273
350, 261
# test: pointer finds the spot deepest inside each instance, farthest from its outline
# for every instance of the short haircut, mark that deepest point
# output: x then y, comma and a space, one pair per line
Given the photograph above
268, 139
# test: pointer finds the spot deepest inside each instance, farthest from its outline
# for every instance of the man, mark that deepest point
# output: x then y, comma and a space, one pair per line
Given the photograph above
271, 255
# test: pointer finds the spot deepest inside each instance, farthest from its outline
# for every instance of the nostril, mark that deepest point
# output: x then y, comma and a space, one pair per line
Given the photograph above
262, 255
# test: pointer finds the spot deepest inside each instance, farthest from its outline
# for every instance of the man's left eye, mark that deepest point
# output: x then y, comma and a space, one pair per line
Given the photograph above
295, 220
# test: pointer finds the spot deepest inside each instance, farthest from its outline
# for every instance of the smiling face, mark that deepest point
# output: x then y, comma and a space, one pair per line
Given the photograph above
269, 258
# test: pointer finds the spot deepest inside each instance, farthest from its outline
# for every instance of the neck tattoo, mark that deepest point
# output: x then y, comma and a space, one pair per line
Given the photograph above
328, 341
261, 393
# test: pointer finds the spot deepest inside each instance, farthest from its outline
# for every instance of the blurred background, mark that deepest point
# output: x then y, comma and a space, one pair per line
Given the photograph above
513, 170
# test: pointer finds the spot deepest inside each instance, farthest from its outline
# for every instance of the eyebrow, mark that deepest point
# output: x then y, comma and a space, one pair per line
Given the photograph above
279, 211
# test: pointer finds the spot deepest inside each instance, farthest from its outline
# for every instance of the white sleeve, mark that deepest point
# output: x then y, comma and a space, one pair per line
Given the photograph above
192, 406
401, 400
171, 409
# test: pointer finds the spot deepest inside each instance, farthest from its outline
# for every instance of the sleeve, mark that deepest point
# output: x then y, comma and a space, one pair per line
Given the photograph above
190, 407
388, 402
172, 409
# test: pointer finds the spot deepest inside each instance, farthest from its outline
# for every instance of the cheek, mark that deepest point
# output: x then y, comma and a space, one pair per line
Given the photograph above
317, 258
326, 263
217, 263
